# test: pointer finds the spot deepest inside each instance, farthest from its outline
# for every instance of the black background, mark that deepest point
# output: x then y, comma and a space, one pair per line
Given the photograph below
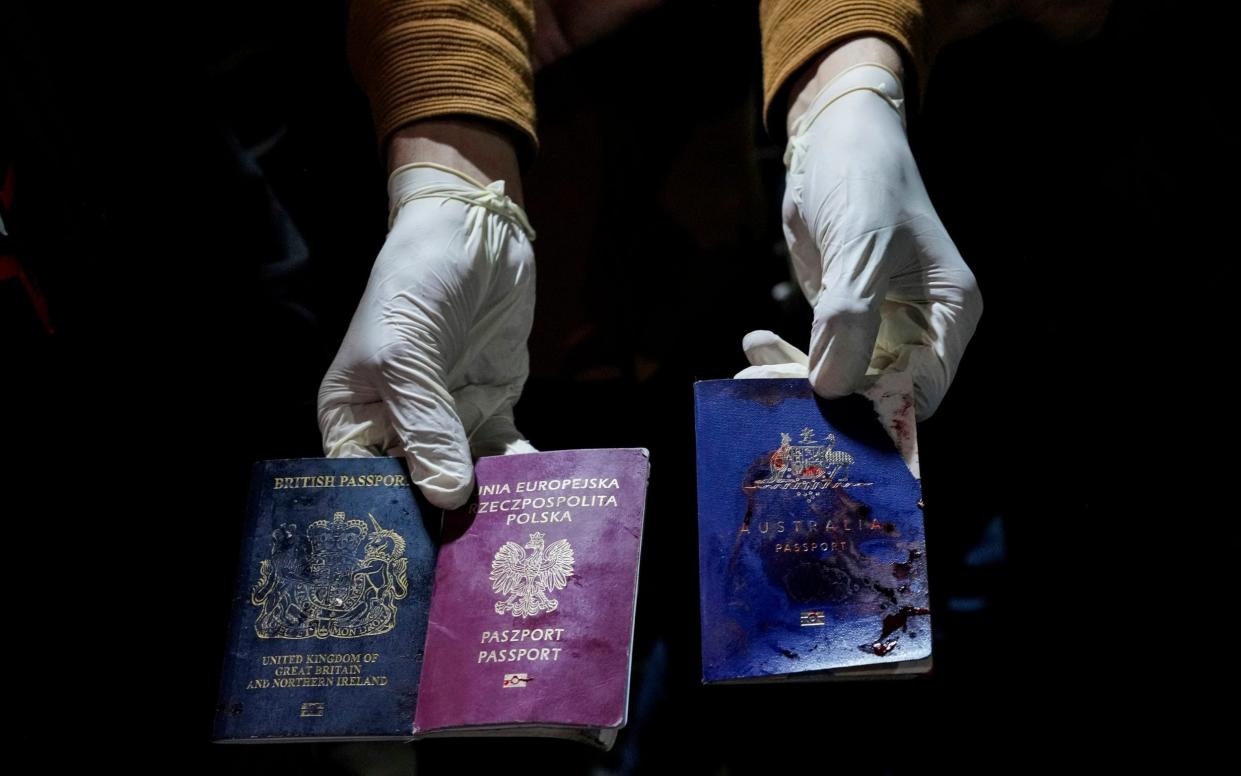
200, 199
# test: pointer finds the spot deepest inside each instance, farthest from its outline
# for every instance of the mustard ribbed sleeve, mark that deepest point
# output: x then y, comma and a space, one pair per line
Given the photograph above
419, 59
795, 31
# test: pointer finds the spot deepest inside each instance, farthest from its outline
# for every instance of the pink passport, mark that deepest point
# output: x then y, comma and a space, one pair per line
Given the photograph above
531, 624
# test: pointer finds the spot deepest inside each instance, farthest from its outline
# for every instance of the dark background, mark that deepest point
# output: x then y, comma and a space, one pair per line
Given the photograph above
199, 198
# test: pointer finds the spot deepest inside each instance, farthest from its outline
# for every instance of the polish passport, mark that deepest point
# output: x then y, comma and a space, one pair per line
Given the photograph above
812, 556
361, 613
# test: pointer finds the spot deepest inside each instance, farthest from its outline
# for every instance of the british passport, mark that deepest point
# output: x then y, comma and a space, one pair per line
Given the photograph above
330, 610
348, 624
812, 557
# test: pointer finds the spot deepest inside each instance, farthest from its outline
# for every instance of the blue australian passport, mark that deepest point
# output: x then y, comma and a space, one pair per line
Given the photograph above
330, 611
812, 558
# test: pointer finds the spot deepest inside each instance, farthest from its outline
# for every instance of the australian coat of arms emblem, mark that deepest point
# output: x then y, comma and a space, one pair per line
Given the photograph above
526, 580
341, 578
809, 467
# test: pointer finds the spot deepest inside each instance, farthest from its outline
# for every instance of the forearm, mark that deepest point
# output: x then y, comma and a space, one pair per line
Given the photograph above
832, 63
798, 34
478, 149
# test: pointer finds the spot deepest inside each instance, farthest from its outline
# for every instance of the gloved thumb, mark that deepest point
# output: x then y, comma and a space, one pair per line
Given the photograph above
498, 435
770, 356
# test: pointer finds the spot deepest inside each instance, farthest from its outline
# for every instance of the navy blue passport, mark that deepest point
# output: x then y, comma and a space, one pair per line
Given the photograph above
330, 611
812, 559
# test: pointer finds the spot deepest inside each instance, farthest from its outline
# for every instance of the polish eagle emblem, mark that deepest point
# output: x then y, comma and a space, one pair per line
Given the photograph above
526, 580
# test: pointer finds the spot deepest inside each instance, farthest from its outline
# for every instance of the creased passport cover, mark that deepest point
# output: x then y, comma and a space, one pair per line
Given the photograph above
532, 615
330, 610
811, 543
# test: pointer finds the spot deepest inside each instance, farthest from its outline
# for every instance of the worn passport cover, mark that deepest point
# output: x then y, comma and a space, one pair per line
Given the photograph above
811, 548
531, 625
330, 610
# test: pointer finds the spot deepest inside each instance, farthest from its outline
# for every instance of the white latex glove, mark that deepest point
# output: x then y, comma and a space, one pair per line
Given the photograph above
889, 289
890, 393
435, 357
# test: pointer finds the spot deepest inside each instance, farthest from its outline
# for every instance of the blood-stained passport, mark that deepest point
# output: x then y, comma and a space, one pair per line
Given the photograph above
812, 555
531, 624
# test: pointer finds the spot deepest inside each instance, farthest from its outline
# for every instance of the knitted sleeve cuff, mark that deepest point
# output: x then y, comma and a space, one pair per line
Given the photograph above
419, 59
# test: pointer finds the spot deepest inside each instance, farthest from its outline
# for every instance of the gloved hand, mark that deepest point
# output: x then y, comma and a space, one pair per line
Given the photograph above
889, 289
890, 392
435, 357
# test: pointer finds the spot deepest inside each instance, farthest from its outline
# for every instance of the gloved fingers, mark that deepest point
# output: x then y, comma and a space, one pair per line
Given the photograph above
848, 310
771, 357
387, 388
804, 254
930, 362
497, 361
925, 367
355, 430
842, 339
486, 408
427, 287
498, 435
954, 300
352, 418
763, 347
428, 430
929, 317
